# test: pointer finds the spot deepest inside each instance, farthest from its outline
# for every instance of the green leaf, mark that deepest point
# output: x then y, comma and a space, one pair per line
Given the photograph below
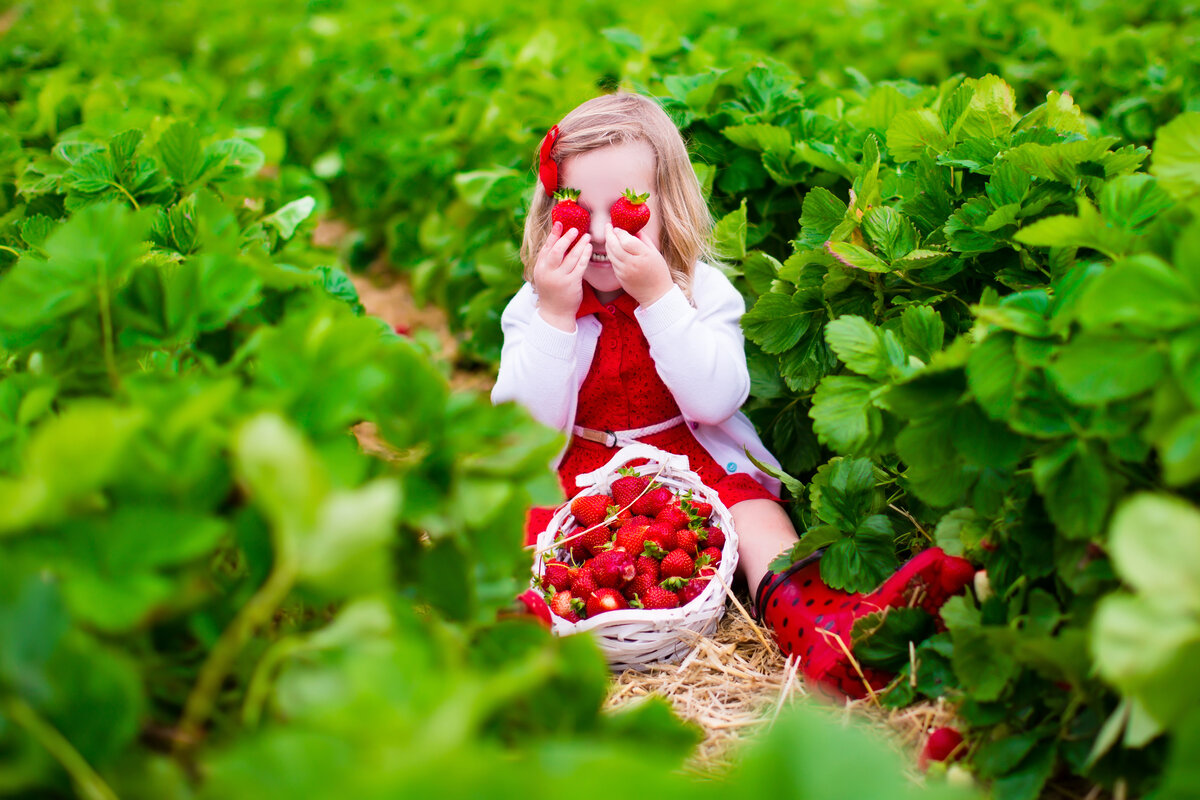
845, 417
1176, 159
777, 321
882, 640
1058, 112
891, 233
1142, 292
843, 492
992, 374
861, 562
1093, 369
1179, 450
238, 158
729, 234
864, 348
1087, 229
984, 661
96, 245
763, 138
761, 269
991, 113
182, 155
1132, 201
1021, 312
1073, 480
922, 331
960, 531
820, 215
1164, 566
288, 218
856, 257
915, 133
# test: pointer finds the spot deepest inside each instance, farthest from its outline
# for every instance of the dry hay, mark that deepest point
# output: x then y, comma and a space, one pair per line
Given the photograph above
734, 684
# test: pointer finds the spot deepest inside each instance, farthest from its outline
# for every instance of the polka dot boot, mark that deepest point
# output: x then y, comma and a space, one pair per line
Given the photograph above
813, 622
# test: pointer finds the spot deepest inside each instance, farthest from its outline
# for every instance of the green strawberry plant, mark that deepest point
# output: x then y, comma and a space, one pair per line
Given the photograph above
210, 588
991, 314
308, 79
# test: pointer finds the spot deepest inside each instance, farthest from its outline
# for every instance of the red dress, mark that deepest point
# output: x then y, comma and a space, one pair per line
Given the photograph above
623, 391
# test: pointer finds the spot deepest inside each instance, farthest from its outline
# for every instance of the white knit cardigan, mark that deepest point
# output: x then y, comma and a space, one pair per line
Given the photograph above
697, 351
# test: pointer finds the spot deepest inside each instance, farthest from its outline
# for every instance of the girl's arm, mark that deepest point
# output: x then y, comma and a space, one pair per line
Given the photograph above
537, 362
698, 351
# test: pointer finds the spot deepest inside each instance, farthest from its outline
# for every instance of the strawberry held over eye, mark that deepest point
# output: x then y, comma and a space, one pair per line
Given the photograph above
630, 212
569, 212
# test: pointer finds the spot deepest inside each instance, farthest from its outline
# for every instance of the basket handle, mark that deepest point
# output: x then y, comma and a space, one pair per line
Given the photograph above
629, 453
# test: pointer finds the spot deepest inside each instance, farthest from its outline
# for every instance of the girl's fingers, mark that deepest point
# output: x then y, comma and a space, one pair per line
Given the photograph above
582, 258
564, 243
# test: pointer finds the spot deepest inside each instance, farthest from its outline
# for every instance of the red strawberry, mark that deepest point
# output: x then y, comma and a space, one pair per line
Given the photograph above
714, 555
691, 590
604, 600
677, 564
569, 212
640, 583
658, 597
632, 536
652, 501
558, 575
534, 605
630, 212
686, 540
596, 539
626, 488
697, 508
583, 585
566, 606
618, 516
714, 537
613, 568
662, 536
645, 565
939, 746
579, 553
590, 509
672, 514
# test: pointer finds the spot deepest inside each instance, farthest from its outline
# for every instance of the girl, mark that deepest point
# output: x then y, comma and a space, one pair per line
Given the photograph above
618, 337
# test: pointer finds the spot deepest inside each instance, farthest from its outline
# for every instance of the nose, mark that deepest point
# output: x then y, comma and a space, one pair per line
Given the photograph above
599, 219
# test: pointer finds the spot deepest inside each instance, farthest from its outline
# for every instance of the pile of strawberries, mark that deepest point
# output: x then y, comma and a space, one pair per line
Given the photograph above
642, 546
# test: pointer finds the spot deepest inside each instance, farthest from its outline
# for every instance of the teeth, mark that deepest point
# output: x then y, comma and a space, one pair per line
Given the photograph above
599, 257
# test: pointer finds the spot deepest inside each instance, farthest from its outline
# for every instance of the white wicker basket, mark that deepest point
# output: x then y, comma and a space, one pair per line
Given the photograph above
636, 638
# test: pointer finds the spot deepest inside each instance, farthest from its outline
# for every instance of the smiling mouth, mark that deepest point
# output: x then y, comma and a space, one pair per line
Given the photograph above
599, 258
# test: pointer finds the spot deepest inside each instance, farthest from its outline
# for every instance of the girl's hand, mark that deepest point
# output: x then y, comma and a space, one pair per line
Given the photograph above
558, 276
641, 269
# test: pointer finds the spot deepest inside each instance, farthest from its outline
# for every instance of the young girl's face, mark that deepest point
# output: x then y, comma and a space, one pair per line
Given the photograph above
601, 176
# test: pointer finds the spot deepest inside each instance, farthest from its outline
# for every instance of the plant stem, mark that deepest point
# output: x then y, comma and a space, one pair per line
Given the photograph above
16, 253
125, 192
255, 613
87, 780
106, 330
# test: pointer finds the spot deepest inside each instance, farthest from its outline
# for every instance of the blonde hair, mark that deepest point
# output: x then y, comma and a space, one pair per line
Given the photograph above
618, 119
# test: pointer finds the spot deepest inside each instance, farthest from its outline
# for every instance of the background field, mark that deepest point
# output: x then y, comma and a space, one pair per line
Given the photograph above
969, 241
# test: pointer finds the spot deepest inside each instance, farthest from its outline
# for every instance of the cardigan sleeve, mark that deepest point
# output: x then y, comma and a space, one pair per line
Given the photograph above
537, 362
699, 351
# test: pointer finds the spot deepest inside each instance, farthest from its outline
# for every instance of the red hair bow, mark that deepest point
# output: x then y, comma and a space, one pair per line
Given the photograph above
547, 166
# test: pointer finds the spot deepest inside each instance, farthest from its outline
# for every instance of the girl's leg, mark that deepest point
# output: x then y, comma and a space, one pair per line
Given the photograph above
764, 531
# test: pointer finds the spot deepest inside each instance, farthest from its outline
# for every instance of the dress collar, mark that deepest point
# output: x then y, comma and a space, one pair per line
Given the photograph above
592, 305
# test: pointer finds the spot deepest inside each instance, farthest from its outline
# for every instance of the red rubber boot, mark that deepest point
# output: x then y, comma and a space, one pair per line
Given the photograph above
813, 622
